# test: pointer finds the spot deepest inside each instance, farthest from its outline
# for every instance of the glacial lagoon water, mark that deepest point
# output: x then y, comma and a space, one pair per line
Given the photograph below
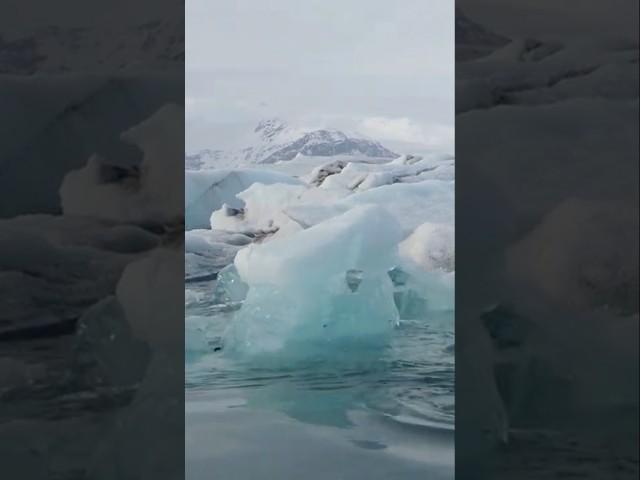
319, 323
356, 410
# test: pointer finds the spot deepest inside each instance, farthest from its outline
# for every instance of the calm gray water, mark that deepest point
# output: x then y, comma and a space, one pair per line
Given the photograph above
376, 411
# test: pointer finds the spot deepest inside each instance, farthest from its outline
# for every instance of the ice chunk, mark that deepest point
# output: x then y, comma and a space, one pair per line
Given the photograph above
199, 336
296, 302
431, 246
418, 293
263, 212
230, 287
279, 208
208, 251
319, 174
213, 244
410, 304
411, 204
208, 190
286, 209
359, 176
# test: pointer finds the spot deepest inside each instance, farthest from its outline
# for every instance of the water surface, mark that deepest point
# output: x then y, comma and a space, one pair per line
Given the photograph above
383, 411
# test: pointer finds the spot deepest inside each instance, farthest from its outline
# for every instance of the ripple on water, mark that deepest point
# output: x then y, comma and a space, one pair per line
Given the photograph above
410, 380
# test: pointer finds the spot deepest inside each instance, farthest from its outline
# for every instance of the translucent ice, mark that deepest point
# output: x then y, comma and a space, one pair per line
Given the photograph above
411, 204
276, 207
424, 282
208, 190
207, 251
264, 209
431, 246
422, 292
230, 287
365, 176
286, 209
320, 288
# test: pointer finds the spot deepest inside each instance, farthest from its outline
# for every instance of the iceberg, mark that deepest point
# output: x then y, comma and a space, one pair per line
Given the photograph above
286, 209
412, 204
297, 305
422, 293
362, 176
278, 208
432, 246
208, 190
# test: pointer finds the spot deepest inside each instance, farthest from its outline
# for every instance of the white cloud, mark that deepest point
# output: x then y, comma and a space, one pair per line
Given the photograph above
329, 62
405, 130
400, 129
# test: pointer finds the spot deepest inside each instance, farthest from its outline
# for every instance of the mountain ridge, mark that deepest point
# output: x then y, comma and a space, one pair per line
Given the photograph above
275, 141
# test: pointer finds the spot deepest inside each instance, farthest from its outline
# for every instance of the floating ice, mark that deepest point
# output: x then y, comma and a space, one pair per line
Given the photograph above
287, 209
422, 293
278, 208
230, 287
208, 190
319, 287
432, 246
207, 251
264, 209
365, 176
411, 204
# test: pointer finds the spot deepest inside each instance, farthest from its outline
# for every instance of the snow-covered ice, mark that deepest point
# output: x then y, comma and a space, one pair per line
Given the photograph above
311, 245
432, 246
294, 299
208, 190
319, 305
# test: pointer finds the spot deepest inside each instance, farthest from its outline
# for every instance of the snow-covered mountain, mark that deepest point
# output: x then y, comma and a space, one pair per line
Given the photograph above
107, 49
274, 141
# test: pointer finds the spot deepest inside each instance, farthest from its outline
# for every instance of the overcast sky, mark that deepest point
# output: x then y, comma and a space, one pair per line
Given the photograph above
384, 69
